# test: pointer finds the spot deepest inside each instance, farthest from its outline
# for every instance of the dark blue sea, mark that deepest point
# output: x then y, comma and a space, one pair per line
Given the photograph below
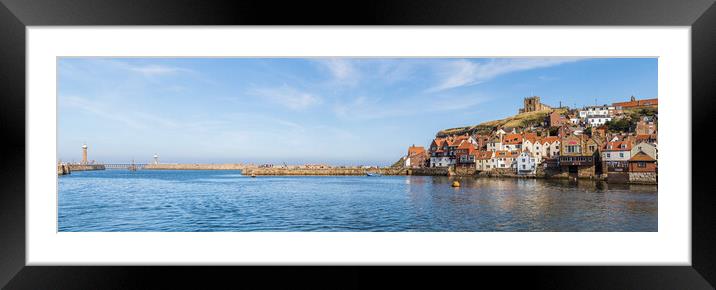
207, 201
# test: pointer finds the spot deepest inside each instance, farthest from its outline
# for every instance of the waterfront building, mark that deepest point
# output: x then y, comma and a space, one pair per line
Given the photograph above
641, 162
465, 154
416, 157
439, 153
615, 156
578, 156
482, 160
504, 159
526, 163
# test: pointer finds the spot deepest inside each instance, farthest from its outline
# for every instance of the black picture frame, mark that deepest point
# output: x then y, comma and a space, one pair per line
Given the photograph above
15, 15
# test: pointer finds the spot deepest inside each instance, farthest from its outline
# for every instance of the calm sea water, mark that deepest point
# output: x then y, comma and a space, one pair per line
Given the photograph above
188, 201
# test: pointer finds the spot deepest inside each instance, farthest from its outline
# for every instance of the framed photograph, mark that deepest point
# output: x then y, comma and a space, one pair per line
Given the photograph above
148, 135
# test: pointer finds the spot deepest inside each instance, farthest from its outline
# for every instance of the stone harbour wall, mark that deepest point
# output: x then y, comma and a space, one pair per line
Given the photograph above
643, 177
85, 167
428, 171
63, 169
322, 171
465, 171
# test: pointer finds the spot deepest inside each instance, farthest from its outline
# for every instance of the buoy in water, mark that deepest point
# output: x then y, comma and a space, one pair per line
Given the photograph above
253, 175
455, 183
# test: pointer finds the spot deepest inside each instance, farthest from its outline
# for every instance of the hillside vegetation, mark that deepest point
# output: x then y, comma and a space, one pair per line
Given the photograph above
519, 120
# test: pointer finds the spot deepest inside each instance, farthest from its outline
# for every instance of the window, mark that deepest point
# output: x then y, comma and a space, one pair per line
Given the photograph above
573, 149
609, 155
641, 164
621, 155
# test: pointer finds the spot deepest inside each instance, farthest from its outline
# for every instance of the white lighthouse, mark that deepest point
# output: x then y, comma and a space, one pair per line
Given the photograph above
156, 158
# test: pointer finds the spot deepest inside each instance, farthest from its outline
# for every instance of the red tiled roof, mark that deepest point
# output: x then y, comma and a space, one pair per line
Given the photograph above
637, 103
617, 146
550, 139
483, 155
465, 145
512, 139
414, 150
532, 137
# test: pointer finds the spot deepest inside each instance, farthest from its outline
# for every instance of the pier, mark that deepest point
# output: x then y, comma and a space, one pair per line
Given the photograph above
323, 171
124, 165
197, 166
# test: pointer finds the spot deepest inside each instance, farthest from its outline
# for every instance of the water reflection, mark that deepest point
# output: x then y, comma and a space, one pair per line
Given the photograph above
228, 201
508, 204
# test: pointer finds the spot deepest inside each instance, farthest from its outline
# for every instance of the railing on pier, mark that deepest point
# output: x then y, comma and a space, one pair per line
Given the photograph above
124, 165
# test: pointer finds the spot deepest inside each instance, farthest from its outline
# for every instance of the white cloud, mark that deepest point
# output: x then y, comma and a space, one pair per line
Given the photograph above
364, 108
288, 97
342, 70
146, 70
463, 72
155, 70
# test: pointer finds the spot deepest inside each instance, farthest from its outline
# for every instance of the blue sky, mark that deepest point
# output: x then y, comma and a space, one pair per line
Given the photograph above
341, 111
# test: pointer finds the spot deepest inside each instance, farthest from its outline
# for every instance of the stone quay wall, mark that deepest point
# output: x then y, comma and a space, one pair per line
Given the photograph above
323, 171
85, 167
230, 166
428, 171
63, 169
643, 177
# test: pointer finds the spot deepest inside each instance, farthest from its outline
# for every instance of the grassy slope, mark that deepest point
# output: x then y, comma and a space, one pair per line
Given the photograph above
519, 120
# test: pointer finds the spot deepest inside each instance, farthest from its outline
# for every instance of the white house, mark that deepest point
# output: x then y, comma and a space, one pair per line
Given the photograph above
616, 155
551, 146
483, 160
597, 120
504, 160
494, 145
526, 163
441, 161
596, 111
512, 142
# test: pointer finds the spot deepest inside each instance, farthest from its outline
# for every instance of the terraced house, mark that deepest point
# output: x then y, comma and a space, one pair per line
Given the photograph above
615, 156
579, 156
